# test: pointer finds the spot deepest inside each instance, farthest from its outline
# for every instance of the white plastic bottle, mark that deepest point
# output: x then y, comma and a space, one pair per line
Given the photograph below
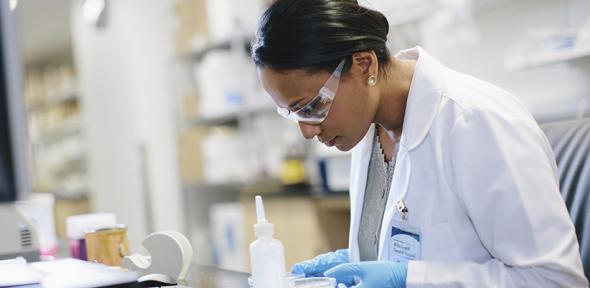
267, 257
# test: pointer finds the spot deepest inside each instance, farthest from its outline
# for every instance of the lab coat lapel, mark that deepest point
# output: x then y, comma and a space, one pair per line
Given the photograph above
421, 109
361, 156
399, 186
423, 98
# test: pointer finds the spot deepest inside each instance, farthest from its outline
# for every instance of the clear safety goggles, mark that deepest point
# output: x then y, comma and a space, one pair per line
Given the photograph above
316, 110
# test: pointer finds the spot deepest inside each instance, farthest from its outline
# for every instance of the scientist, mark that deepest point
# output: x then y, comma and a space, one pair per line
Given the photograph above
453, 184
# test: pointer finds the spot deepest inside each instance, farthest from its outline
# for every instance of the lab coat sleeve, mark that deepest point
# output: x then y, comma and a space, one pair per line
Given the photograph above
504, 173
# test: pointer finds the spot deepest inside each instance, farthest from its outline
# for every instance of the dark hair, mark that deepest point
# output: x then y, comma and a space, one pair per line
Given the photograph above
316, 35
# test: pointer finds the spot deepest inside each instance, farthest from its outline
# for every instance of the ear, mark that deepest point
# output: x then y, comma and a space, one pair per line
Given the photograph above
365, 64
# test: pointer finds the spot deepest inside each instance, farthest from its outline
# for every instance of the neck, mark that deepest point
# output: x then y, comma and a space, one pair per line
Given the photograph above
393, 90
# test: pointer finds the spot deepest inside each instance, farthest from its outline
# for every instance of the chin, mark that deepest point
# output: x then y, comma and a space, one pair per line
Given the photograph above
345, 144
343, 147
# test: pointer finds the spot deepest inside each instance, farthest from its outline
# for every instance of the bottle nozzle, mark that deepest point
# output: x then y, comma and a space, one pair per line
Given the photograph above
260, 215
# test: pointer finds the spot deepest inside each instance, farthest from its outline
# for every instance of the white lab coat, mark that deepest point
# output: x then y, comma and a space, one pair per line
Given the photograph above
480, 182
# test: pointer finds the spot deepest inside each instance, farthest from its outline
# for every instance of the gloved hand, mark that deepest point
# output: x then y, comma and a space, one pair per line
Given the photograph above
321, 263
382, 274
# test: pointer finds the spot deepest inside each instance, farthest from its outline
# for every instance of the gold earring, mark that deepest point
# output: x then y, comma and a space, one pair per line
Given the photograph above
372, 80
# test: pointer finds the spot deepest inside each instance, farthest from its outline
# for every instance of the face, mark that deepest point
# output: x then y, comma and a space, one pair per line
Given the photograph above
350, 115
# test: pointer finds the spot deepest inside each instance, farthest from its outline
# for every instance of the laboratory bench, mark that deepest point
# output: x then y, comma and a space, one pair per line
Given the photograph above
199, 276
213, 277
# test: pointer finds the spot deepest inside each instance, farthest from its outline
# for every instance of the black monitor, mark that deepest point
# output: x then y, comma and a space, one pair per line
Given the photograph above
14, 173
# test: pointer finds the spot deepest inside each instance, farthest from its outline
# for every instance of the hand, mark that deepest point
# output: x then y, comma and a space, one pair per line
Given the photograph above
372, 274
318, 265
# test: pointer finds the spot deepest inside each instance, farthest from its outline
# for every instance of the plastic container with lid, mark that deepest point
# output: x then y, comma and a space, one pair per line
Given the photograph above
290, 278
314, 282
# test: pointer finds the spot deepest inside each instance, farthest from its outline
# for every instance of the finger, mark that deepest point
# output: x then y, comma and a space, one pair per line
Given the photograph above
297, 269
301, 268
343, 255
344, 273
309, 268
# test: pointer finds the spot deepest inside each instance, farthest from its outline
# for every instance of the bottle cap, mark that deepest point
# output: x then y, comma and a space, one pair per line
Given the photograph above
263, 227
260, 215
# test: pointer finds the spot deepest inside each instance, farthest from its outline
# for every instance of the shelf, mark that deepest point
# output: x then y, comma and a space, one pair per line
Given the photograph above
260, 184
218, 120
535, 60
71, 166
338, 202
63, 98
81, 194
57, 134
231, 118
65, 194
264, 186
199, 54
215, 186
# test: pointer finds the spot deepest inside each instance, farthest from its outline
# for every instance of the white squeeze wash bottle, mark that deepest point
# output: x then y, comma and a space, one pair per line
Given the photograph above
267, 256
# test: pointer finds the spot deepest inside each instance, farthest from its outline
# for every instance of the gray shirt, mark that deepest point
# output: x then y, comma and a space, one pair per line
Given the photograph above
379, 179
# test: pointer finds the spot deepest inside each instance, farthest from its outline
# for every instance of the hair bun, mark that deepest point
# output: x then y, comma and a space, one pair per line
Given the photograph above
317, 34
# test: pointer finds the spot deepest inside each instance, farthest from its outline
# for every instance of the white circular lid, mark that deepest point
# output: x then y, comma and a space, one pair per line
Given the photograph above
78, 225
314, 282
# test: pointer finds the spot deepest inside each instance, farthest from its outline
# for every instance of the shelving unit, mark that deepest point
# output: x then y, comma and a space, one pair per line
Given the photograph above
534, 60
201, 128
240, 118
55, 131
63, 98
198, 54
231, 118
65, 130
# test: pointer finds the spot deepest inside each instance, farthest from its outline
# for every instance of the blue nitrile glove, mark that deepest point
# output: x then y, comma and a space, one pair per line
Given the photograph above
382, 274
321, 263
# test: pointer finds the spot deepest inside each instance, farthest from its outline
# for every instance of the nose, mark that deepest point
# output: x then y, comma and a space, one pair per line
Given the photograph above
309, 130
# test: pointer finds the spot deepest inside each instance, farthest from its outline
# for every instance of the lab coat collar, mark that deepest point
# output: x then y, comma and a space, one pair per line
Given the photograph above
423, 102
423, 98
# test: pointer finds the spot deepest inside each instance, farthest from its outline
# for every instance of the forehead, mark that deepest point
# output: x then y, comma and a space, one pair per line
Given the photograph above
287, 87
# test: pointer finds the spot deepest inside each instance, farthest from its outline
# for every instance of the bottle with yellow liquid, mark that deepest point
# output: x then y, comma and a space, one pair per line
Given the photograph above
293, 167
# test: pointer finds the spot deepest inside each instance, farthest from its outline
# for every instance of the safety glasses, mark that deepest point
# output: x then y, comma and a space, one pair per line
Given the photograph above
316, 110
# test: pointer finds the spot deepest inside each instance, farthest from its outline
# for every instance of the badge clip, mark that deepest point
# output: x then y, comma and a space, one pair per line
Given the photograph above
402, 209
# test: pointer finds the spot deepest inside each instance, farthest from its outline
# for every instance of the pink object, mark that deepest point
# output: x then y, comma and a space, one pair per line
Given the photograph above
78, 249
78, 225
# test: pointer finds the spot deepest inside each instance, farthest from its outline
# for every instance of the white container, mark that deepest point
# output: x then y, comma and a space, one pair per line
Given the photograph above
290, 279
224, 146
267, 257
314, 282
228, 236
39, 210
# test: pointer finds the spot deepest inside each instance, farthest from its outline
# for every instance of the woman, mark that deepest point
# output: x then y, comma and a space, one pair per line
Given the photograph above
452, 182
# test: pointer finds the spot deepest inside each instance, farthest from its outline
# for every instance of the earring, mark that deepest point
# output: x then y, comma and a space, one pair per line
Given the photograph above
372, 80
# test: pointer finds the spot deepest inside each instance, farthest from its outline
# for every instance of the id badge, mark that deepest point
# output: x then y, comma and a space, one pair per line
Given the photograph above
404, 242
